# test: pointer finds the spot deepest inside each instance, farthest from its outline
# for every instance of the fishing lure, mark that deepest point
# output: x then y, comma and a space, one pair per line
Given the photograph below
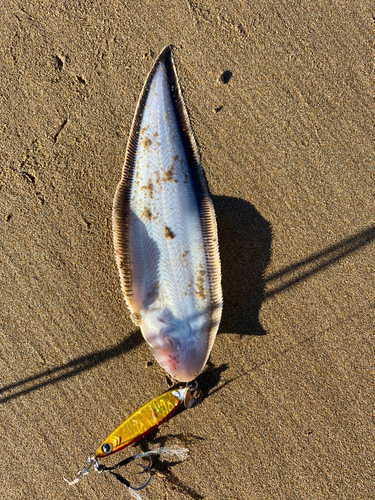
165, 233
136, 426
143, 421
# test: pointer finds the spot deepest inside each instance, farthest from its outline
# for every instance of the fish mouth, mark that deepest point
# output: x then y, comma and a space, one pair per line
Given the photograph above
182, 369
182, 360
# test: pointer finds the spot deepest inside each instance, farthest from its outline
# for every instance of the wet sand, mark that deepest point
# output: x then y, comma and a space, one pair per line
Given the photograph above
281, 99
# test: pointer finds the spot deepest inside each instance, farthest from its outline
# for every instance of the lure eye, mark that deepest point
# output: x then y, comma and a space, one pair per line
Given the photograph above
106, 448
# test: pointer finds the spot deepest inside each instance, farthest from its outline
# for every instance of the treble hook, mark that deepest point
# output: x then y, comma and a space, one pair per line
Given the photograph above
164, 453
142, 472
102, 468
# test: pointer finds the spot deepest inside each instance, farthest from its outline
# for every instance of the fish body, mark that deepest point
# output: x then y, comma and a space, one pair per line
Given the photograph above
165, 233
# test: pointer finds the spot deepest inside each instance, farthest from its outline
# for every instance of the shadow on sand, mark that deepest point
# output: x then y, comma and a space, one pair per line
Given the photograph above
245, 250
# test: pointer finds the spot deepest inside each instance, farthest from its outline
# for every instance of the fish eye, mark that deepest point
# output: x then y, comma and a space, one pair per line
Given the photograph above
106, 448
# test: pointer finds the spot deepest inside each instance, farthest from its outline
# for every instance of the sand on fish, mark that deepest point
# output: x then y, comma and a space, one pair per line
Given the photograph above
281, 100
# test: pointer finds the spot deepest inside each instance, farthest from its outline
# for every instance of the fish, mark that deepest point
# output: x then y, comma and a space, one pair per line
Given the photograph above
165, 230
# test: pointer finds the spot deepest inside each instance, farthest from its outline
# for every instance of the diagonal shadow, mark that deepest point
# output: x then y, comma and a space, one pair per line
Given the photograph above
245, 250
74, 367
290, 275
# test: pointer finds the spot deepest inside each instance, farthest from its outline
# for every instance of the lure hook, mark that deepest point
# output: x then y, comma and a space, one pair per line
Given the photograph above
142, 472
127, 483
193, 396
103, 468
163, 453
192, 386
144, 467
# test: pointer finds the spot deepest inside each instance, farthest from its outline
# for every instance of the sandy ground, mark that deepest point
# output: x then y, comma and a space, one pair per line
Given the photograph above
281, 98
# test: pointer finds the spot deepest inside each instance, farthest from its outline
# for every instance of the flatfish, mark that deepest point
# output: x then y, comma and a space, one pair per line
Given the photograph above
165, 233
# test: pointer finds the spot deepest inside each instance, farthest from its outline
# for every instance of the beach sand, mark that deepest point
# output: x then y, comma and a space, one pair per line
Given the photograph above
281, 99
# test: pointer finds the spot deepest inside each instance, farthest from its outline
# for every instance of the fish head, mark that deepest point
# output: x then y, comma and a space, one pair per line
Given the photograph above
177, 344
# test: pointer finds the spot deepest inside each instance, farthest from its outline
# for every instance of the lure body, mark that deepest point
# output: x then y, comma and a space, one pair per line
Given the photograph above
142, 422
165, 233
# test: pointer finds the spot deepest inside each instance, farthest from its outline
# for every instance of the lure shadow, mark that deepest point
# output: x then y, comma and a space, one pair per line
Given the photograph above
245, 250
176, 484
210, 378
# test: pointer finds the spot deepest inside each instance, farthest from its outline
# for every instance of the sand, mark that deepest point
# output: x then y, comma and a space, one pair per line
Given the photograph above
281, 99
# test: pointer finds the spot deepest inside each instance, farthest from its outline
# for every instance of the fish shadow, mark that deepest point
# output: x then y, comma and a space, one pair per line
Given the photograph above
245, 251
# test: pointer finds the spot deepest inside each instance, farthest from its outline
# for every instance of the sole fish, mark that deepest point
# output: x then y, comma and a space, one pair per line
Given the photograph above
165, 233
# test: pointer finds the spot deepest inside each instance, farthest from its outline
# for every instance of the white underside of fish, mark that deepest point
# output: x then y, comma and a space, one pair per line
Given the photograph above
165, 232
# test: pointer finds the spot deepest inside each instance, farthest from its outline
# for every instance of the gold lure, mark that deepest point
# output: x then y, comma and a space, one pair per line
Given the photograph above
140, 423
